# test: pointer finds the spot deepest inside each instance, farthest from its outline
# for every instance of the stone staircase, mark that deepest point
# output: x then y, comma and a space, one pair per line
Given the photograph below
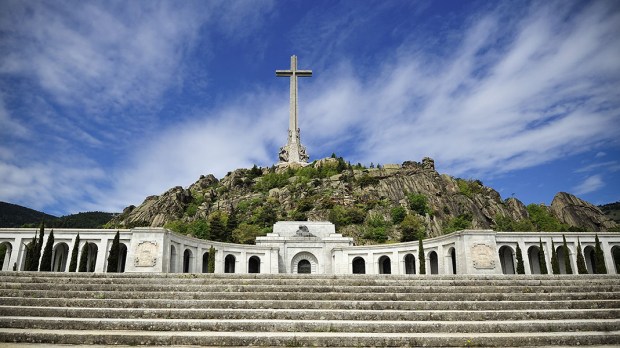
311, 310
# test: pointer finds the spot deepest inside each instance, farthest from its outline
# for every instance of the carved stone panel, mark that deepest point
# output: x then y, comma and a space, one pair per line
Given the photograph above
146, 254
482, 256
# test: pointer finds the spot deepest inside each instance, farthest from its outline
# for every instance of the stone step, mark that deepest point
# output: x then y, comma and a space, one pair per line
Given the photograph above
309, 314
334, 339
263, 325
333, 296
315, 304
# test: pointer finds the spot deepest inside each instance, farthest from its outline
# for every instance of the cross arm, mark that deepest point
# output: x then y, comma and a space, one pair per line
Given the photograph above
284, 73
303, 73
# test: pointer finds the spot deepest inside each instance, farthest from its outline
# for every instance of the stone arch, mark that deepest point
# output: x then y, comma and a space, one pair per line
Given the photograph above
205, 262
8, 250
304, 267
188, 261
451, 256
385, 265
507, 259
533, 255
60, 253
562, 255
433, 262
359, 265
590, 258
122, 257
93, 250
229, 263
254, 264
173, 259
409, 264
304, 255
615, 255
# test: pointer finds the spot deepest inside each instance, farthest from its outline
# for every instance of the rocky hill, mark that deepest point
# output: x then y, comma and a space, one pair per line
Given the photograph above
389, 203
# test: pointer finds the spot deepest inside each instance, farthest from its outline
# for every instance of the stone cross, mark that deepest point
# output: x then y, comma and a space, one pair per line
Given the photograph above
293, 151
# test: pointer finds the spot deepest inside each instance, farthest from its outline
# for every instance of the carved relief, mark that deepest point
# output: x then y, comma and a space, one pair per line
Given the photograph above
482, 256
146, 254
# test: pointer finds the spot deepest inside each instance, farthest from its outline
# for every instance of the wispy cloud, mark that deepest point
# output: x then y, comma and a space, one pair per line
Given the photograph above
590, 184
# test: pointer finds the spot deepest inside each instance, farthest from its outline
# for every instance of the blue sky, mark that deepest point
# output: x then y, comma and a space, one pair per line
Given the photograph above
103, 103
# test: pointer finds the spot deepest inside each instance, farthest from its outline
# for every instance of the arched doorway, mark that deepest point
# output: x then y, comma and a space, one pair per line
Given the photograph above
533, 255
359, 265
409, 264
5, 254
254, 264
304, 267
188, 261
385, 265
229, 264
173, 259
297, 264
452, 261
122, 257
59, 257
562, 255
92, 257
205, 262
507, 259
434, 263
590, 257
615, 254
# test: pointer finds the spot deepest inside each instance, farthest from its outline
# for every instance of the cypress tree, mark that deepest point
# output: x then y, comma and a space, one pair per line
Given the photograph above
555, 265
421, 257
30, 247
46, 260
599, 258
567, 265
211, 261
520, 266
581, 262
39, 247
113, 257
542, 260
84, 258
74, 254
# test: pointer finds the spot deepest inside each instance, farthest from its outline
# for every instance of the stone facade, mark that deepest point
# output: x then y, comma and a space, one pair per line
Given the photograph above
315, 247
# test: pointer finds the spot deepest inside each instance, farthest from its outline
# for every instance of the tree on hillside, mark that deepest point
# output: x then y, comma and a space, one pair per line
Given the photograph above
84, 259
412, 228
520, 265
555, 265
581, 262
114, 251
46, 260
542, 260
232, 222
216, 226
211, 261
567, 265
74, 254
421, 257
599, 258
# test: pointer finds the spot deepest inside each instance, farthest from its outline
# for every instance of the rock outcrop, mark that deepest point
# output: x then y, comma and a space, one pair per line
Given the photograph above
576, 212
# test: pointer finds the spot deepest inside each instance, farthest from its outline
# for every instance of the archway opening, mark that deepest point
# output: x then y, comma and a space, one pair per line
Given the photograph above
385, 265
409, 264
452, 263
359, 265
59, 257
304, 267
229, 264
533, 255
188, 259
590, 257
615, 254
562, 255
254, 264
5, 256
434, 263
173, 259
507, 259
122, 257
205, 262
92, 257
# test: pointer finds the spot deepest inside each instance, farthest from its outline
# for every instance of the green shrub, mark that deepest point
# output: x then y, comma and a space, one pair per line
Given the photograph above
246, 233
377, 234
367, 180
469, 187
272, 180
398, 214
520, 265
412, 228
461, 222
418, 203
211, 261
543, 220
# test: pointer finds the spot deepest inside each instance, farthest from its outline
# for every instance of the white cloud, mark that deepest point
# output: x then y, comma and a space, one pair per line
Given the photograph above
590, 184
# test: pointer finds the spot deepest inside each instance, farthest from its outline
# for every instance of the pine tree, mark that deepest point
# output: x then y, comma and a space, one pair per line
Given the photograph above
232, 222
421, 257
555, 265
599, 258
520, 265
74, 254
581, 262
46, 260
84, 258
211, 261
567, 265
113, 257
218, 231
542, 260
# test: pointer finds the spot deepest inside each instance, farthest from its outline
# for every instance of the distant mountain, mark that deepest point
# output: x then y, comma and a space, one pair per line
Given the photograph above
612, 210
13, 215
